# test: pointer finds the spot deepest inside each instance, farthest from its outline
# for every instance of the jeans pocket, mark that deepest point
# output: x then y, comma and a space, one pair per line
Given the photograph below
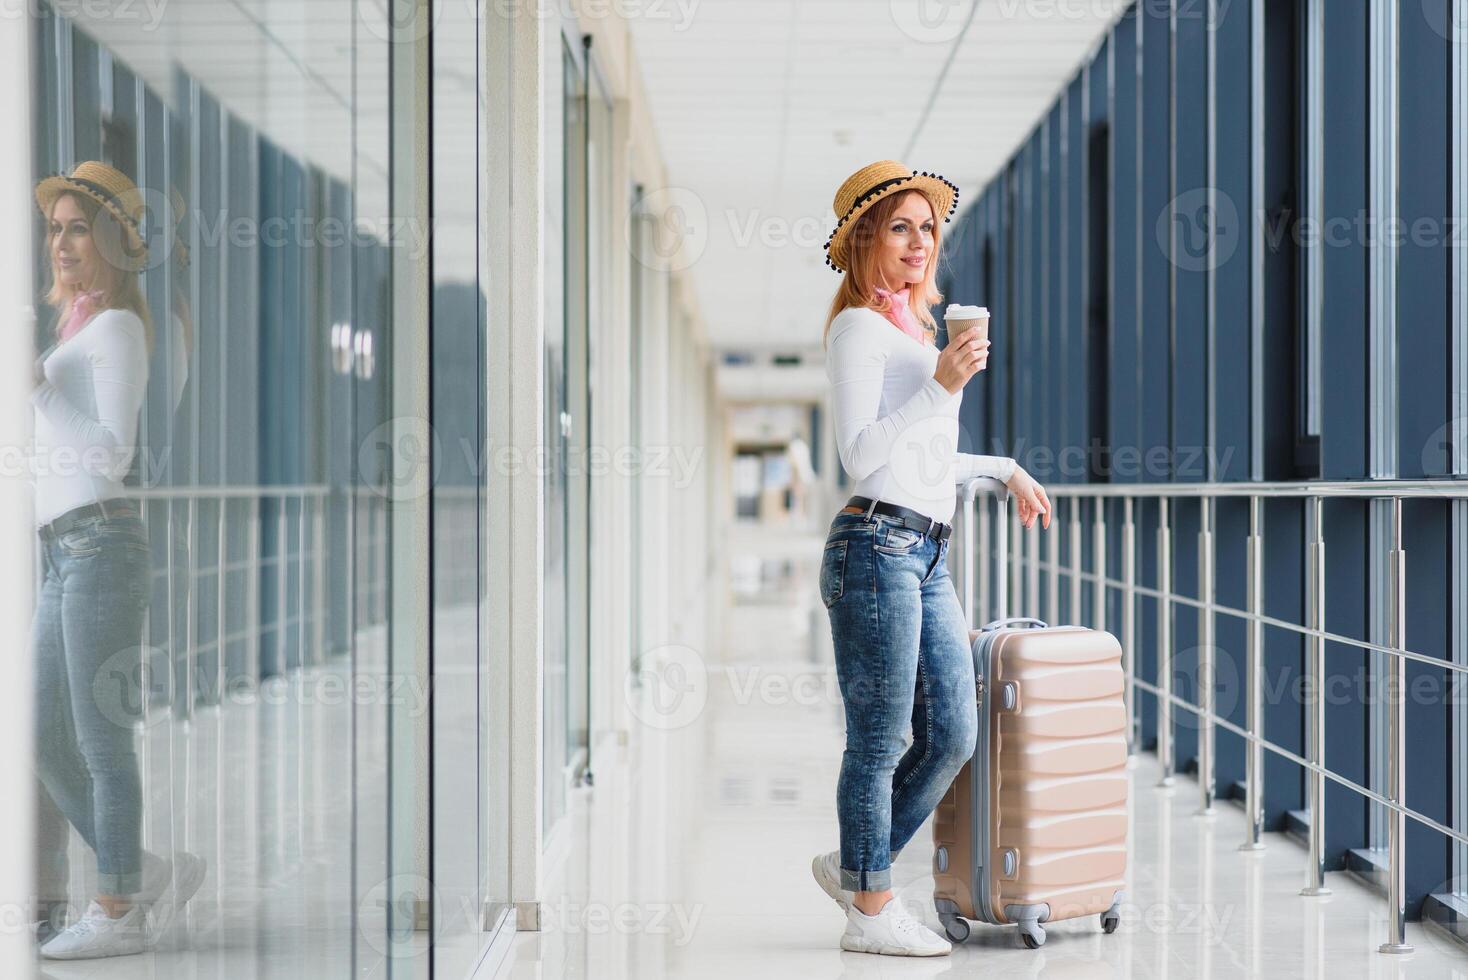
833, 572
895, 540
79, 542
127, 532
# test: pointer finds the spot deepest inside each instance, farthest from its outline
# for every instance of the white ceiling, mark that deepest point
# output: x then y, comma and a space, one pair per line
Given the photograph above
763, 107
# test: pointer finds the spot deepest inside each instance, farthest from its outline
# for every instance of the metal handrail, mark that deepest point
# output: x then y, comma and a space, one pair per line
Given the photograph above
291, 609
1300, 760
1365, 489
233, 492
1013, 563
1262, 618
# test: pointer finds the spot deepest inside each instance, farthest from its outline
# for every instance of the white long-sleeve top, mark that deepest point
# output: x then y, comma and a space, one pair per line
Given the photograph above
86, 413
896, 425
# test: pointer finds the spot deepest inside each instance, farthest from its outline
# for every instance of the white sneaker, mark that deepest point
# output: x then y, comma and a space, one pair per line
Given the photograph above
891, 931
97, 934
827, 871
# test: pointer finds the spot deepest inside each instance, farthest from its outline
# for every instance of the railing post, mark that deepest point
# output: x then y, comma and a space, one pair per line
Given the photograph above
1052, 574
1254, 683
1002, 565
972, 612
983, 609
1098, 549
1129, 619
1314, 699
1034, 569
319, 548
1015, 545
282, 593
1207, 511
1396, 747
1075, 561
252, 594
1164, 641
302, 551
221, 598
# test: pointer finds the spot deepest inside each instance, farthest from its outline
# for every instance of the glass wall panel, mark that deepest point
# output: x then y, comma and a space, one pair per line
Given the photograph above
593, 323
209, 636
565, 337
468, 737
493, 168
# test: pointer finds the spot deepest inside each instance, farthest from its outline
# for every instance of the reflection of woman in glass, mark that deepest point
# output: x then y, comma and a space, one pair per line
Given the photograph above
95, 576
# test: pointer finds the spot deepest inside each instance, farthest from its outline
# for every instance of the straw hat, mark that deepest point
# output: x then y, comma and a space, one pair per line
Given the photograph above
872, 183
120, 198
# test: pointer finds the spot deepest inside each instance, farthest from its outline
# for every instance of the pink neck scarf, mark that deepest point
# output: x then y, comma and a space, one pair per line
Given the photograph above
83, 306
900, 314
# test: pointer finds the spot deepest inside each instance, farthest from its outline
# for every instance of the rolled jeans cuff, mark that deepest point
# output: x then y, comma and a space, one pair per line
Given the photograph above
866, 881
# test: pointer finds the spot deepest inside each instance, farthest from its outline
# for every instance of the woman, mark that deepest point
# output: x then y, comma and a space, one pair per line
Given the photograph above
95, 558
900, 635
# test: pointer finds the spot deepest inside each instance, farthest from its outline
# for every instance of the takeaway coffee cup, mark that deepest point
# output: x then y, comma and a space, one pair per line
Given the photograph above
960, 318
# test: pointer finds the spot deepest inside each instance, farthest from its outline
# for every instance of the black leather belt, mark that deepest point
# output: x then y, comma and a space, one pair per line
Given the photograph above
905, 516
112, 507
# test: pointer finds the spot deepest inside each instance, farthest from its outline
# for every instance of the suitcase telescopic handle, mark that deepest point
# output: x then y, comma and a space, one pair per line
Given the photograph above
971, 489
1029, 622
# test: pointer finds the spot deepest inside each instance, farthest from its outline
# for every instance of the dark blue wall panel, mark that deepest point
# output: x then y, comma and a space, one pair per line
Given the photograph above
1234, 249
1125, 389
1156, 390
1002, 310
1048, 406
1071, 392
1191, 237
1344, 300
1423, 347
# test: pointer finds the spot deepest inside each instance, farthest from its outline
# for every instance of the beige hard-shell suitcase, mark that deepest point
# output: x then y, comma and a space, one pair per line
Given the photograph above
1034, 828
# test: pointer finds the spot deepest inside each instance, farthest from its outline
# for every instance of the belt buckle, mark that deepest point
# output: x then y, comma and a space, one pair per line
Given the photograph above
929, 532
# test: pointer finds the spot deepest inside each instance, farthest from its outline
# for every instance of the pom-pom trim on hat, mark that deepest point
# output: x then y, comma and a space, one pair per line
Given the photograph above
97, 193
881, 190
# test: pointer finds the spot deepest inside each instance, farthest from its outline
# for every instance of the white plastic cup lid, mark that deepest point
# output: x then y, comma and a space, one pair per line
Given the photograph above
957, 311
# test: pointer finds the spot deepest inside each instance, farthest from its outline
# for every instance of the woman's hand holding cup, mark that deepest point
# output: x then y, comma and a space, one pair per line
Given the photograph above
968, 350
966, 355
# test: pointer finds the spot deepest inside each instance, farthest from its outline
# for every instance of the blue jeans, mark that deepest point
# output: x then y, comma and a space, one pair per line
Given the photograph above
902, 658
86, 638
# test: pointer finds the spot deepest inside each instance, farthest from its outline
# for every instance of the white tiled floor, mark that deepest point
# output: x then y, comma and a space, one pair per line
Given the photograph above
690, 860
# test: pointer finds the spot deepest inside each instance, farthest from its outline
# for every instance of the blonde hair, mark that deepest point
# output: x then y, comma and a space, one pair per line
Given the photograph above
121, 290
862, 276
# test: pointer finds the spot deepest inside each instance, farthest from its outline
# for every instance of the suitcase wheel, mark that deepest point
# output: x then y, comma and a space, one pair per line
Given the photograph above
1031, 934
956, 927
1110, 919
